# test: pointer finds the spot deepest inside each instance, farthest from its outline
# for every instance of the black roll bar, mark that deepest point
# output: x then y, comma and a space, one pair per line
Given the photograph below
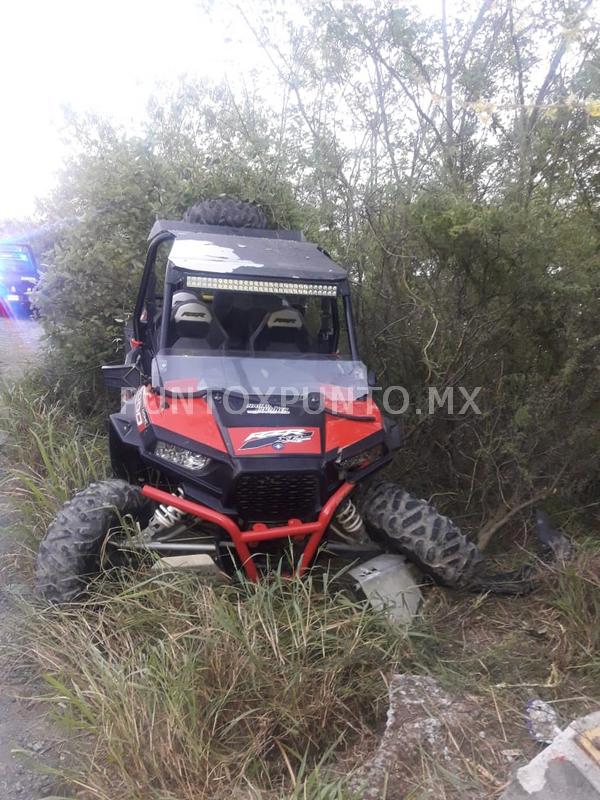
146, 275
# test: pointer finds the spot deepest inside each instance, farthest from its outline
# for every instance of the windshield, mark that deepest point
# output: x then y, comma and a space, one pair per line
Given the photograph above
255, 320
297, 377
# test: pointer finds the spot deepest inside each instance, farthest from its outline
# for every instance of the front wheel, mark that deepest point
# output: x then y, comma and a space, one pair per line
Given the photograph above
415, 529
75, 548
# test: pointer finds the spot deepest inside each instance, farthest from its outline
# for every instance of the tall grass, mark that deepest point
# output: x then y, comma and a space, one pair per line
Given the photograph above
49, 454
199, 692
176, 690
577, 600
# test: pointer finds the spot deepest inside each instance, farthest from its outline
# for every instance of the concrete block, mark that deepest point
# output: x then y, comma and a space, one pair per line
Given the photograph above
568, 769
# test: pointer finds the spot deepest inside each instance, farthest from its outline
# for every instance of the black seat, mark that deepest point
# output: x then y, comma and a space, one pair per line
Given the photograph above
240, 312
193, 327
281, 331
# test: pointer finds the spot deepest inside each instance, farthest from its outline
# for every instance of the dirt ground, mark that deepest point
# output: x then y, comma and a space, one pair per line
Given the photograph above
29, 745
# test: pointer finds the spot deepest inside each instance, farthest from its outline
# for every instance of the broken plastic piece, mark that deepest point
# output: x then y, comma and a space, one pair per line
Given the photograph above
389, 585
542, 721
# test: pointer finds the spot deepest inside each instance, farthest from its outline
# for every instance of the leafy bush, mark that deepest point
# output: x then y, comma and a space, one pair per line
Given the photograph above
500, 298
107, 201
471, 235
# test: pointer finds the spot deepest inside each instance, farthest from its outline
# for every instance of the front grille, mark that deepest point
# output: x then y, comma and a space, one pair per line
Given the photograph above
275, 497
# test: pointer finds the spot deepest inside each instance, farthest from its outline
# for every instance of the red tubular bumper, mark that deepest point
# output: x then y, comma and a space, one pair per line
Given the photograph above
259, 533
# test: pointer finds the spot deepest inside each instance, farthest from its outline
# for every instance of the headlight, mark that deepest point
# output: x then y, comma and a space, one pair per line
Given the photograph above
181, 456
360, 459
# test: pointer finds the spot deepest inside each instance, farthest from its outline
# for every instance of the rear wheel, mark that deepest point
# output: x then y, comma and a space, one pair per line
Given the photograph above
76, 547
226, 211
415, 529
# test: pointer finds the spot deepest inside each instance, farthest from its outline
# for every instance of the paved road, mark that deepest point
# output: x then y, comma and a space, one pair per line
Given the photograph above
18, 346
27, 739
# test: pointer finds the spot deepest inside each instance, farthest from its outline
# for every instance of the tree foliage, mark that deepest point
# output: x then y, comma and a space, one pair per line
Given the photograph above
451, 164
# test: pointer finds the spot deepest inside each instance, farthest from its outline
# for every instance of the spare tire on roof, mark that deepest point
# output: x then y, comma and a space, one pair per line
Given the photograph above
228, 212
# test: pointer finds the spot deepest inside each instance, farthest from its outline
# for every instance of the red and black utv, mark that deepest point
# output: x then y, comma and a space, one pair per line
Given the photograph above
247, 420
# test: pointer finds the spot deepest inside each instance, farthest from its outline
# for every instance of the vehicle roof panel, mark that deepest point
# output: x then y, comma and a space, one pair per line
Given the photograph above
252, 256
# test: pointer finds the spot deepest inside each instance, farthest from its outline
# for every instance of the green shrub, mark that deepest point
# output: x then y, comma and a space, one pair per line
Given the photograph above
108, 198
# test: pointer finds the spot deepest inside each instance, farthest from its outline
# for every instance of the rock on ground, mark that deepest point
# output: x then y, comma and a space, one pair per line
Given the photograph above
428, 731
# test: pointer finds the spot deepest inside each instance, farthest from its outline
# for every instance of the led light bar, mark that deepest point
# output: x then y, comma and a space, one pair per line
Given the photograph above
262, 286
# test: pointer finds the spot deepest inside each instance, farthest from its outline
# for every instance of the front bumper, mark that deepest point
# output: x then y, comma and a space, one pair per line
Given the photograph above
243, 540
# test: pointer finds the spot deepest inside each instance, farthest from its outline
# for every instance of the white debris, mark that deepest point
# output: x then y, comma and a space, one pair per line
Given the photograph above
542, 721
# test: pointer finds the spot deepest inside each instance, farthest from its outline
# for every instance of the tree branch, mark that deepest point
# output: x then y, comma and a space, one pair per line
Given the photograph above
485, 7
501, 517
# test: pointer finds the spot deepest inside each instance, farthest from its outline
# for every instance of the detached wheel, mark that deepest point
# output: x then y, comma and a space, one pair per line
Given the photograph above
414, 528
75, 548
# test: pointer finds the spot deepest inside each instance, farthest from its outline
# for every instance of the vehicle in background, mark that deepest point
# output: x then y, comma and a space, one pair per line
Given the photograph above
18, 278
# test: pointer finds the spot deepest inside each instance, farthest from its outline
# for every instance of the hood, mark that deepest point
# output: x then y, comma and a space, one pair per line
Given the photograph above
255, 429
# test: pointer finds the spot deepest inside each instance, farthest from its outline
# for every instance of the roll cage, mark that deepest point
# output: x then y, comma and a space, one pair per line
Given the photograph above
245, 259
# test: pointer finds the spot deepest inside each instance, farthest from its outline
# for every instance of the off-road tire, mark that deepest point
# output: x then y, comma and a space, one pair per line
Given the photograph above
226, 211
414, 528
71, 552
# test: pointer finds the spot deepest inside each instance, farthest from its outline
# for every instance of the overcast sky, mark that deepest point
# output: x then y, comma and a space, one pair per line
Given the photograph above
103, 57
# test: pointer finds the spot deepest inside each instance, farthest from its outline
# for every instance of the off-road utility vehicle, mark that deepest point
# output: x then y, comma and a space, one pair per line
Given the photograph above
247, 420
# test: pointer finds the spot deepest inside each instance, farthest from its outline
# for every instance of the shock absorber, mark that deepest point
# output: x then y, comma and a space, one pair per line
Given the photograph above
164, 518
349, 523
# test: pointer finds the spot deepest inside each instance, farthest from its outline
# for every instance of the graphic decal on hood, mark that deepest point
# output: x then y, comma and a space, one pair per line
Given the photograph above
276, 439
